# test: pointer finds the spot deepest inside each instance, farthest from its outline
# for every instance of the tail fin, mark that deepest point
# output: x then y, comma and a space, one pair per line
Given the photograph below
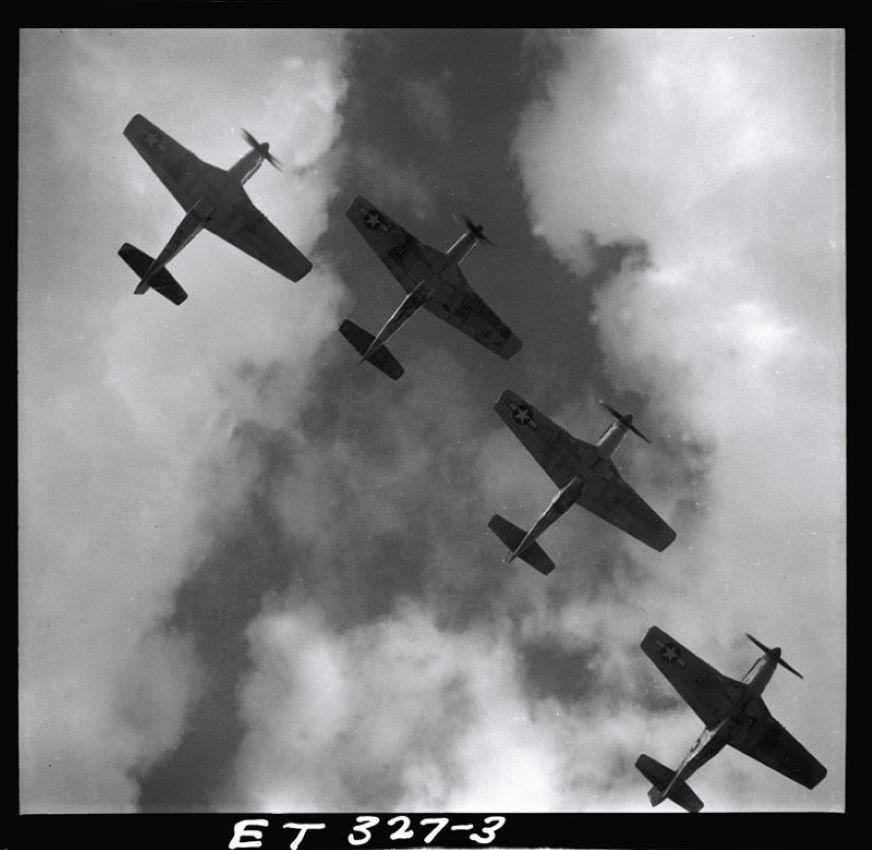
162, 281
660, 776
512, 536
381, 358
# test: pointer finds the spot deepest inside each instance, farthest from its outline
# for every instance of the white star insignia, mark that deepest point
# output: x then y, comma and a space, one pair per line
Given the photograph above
373, 221
521, 414
670, 653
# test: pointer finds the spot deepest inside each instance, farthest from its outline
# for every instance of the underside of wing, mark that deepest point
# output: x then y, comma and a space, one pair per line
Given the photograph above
246, 227
402, 253
467, 312
555, 450
762, 737
613, 500
709, 693
175, 166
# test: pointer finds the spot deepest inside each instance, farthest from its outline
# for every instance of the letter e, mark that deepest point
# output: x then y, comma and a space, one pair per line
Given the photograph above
241, 832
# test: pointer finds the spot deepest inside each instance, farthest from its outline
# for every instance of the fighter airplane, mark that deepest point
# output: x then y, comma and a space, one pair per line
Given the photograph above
212, 199
585, 475
733, 712
432, 279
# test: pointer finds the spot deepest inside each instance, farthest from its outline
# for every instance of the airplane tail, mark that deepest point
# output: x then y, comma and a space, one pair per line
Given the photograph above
381, 358
162, 281
660, 776
511, 535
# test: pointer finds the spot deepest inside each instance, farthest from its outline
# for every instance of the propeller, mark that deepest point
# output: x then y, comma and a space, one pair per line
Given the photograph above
477, 230
262, 148
773, 653
626, 420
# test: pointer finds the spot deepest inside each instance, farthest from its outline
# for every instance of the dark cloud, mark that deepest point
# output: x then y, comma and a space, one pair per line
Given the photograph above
550, 670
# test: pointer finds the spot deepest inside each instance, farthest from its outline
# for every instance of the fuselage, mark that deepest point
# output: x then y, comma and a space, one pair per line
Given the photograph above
712, 740
246, 167
610, 439
587, 468
217, 194
436, 273
462, 248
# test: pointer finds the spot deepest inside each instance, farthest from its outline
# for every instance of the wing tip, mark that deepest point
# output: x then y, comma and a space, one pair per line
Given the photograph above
357, 201
653, 633
137, 118
502, 400
511, 347
666, 539
301, 271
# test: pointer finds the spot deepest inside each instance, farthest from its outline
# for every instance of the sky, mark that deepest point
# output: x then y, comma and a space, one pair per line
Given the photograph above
256, 576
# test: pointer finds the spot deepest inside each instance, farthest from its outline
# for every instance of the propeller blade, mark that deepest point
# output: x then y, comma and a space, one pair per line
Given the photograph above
783, 663
757, 643
476, 230
250, 139
626, 420
263, 148
772, 653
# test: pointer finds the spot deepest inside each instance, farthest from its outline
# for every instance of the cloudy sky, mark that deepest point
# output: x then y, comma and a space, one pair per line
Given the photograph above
257, 576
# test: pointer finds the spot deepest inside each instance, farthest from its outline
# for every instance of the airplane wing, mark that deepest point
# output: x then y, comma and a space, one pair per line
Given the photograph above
246, 227
612, 499
709, 693
175, 166
555, 450
467, 312
401, 252
762, 737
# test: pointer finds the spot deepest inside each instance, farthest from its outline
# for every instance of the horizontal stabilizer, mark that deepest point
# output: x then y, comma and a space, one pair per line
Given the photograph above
660, 776
162, 281
533, 554
381, 358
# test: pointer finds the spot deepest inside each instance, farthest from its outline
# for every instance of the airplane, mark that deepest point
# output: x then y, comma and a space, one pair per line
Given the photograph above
432, 279
733, 712
212, 199
585, 475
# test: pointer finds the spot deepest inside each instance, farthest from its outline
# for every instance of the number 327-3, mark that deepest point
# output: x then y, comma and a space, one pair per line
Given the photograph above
362, 832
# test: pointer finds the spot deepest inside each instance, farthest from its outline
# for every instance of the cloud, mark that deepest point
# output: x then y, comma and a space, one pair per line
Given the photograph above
127, 404
392, 182
722, 151
429, 106
404, 667
395, 712
335, 522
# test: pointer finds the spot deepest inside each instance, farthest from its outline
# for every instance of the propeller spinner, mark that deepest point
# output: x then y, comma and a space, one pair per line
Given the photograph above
773, 653
626, 419
477, 230
263, 149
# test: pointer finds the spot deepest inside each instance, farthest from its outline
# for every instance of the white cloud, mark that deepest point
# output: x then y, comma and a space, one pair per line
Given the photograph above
127, 404
129, 407
423, 718
723, 151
